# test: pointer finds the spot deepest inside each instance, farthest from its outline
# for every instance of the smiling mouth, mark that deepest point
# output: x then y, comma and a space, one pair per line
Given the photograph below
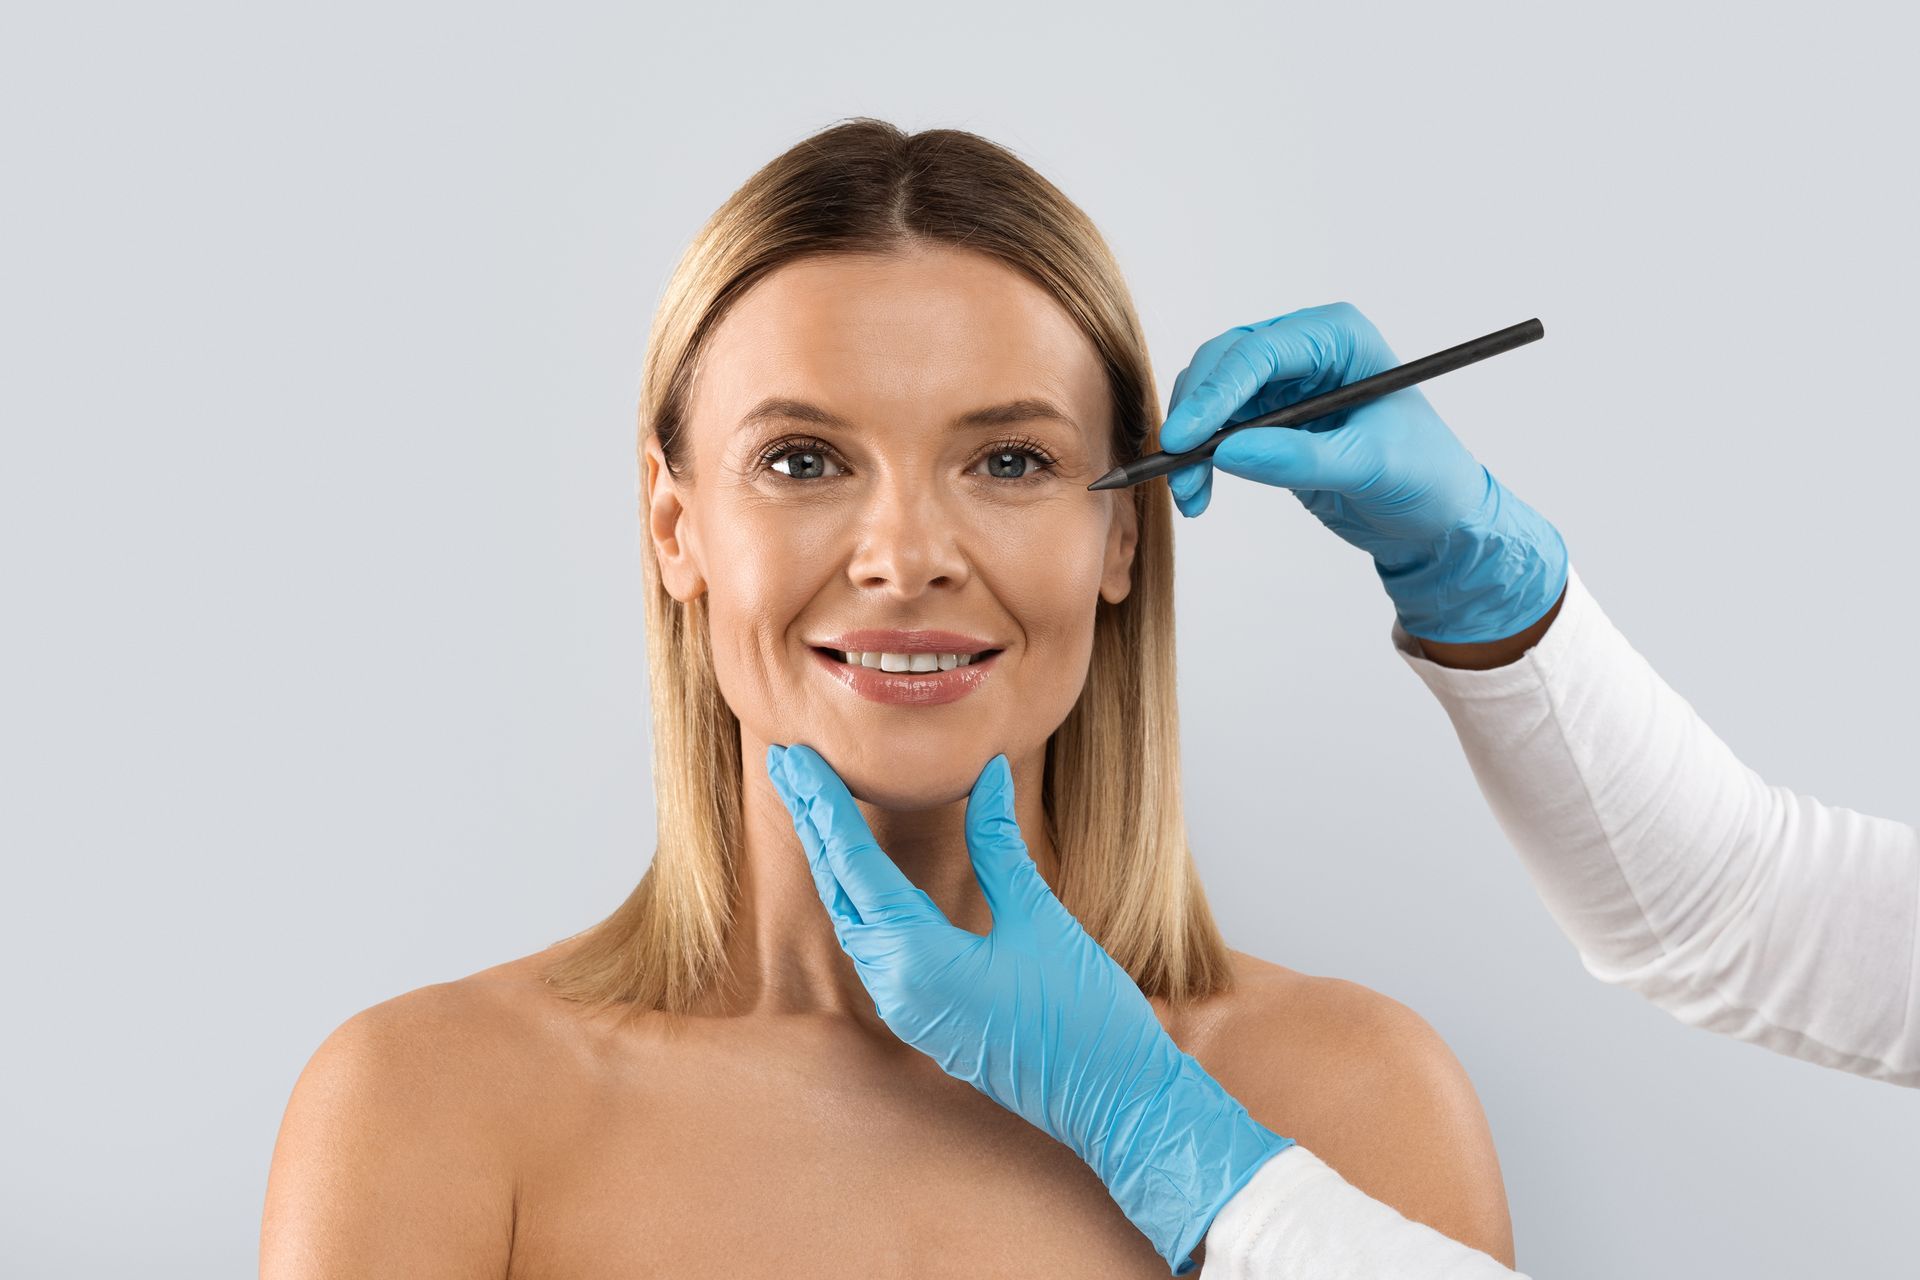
906, 664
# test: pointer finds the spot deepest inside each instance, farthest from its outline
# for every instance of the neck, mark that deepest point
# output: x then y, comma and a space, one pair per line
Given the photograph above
781, 948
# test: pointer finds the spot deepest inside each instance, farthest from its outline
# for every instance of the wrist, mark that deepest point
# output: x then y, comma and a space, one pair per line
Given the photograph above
1492, 653
1181, 1154
1489, 578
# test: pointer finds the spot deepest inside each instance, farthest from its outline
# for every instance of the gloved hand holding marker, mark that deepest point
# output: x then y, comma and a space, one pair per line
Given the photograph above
1463, 560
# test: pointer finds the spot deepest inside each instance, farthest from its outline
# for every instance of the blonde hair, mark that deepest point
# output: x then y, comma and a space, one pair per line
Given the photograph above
1112, 786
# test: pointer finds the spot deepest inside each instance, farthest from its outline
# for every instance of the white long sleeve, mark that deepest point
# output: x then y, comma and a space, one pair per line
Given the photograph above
1675, 869
1297, 1219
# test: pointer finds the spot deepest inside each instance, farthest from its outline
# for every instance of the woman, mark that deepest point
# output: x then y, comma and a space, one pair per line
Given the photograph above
875, 392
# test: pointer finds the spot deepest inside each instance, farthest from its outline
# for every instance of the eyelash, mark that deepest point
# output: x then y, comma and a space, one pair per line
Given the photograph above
808, 444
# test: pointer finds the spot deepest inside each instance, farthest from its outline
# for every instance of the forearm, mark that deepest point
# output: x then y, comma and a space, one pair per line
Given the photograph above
1675, 869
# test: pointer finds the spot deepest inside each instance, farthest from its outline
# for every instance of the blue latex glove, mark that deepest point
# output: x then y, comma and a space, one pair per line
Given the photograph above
1462, 559
1034, 1014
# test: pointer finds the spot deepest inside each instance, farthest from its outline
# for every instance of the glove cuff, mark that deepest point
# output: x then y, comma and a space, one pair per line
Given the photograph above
1189, 1148
1492, 576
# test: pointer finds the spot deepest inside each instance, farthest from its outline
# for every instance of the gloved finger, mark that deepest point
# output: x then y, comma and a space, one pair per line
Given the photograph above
1196, 502
1192, 487
1000, 858
1275, 352
878, 889
1296, 459
832, 896
1204, 358
1190, 494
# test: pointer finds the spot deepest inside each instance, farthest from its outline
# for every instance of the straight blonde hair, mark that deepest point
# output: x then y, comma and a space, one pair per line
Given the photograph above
1112, 783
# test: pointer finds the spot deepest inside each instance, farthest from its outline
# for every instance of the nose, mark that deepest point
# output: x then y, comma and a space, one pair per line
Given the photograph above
907, 541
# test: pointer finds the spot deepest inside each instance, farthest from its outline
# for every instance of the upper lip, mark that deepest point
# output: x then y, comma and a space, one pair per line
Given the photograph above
905, 642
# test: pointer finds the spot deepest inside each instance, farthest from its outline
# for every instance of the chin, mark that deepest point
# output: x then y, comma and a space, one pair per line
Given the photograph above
902, 782
897, 800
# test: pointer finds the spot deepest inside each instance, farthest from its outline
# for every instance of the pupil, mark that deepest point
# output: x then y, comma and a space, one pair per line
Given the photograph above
1007, 457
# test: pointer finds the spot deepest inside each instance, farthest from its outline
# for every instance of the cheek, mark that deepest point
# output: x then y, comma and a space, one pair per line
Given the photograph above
1047, 574
1063, 545
761, 575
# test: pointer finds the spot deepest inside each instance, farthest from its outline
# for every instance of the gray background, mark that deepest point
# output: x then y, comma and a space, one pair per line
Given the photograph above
324, 665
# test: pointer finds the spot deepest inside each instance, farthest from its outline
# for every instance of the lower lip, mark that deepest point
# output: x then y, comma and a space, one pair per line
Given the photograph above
922, 689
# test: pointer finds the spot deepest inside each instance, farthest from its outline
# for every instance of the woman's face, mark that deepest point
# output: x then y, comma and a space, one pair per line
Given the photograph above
868, 501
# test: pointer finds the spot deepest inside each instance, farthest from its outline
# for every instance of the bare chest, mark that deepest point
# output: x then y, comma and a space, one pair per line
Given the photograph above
793, 1159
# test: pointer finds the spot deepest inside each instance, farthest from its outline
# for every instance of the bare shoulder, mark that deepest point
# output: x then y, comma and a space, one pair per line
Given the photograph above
1366, 1084
396, 1151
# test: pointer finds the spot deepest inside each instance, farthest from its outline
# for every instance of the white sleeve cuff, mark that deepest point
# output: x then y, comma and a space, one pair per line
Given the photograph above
1297, 1217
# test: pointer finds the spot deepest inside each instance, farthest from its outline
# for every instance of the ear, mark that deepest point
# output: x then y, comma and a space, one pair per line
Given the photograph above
674, 545
1116, 582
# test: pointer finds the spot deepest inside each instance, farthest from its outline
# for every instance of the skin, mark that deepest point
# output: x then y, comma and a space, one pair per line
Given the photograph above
483, 1127
1486, 655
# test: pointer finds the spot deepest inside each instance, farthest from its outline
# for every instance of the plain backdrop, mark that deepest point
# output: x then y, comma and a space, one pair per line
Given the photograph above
324, 659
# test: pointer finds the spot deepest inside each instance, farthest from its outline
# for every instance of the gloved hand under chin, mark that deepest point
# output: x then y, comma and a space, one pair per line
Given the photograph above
1034, 1013
1462, 558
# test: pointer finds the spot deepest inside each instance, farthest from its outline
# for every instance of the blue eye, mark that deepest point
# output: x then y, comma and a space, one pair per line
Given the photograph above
810, 459
1003, 454
1028, 455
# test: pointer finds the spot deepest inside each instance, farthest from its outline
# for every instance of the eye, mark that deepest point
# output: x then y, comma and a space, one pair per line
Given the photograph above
806, 458
1011, 453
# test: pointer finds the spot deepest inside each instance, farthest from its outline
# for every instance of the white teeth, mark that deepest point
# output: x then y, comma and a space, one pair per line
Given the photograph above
907, 662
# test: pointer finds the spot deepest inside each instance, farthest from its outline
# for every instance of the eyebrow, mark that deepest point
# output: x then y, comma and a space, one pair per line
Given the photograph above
1026, 409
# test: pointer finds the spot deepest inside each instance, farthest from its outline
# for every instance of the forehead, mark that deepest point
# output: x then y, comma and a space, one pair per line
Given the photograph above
929, 333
